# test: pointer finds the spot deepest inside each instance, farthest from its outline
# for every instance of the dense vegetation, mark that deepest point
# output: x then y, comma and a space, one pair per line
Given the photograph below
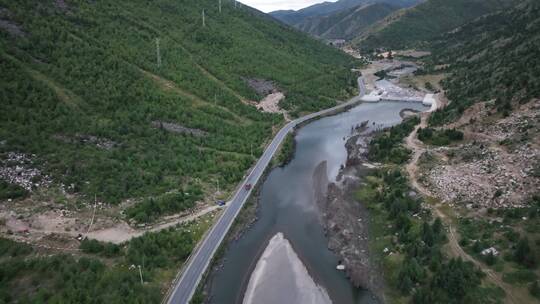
286, 152
11, 191
515, 239
439, 137
103, 249
77, 68
26, 276
417, 269
426, 21
151, 208
493, 58
386, 146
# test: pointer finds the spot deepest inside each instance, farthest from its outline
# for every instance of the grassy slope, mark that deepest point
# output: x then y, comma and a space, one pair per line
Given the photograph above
91, 69
412, 27
493, 58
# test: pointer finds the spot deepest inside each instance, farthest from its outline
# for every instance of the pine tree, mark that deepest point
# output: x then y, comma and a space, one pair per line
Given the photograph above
534, 289
490, 259
477, 247
523, 253
427, 234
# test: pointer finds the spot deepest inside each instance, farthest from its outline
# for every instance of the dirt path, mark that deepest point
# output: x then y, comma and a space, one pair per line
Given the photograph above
418, 149
123, 232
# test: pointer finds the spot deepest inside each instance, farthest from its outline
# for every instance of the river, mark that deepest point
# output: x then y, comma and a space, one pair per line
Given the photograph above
286, 205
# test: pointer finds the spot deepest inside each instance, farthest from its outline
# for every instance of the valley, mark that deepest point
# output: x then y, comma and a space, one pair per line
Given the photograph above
356, 151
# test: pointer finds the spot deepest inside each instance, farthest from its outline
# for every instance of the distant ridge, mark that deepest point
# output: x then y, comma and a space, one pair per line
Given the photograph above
293, 17
415, 26
348, 23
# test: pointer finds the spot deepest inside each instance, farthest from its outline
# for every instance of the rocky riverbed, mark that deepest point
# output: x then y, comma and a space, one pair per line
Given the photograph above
345, 219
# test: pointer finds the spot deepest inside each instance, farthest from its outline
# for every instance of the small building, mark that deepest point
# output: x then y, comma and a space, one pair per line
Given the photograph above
372, 97
490, 250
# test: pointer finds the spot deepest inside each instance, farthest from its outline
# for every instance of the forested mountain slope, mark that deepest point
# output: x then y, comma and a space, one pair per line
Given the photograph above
348, 23
493, 58
292, 17
81, 89
417, 25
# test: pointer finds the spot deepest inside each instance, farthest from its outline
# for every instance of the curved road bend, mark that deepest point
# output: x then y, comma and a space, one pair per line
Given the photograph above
186, 286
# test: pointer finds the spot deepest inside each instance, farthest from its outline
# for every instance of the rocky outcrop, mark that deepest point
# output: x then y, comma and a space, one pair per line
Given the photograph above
176, 128
497, 166
19, 169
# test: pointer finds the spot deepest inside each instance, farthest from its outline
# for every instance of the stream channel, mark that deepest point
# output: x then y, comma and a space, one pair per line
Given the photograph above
287, 205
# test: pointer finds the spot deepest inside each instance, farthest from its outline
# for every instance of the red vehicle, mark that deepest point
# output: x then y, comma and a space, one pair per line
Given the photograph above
247, 187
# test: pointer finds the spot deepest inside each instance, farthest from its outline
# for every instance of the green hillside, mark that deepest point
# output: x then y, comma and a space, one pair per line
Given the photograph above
415, 26
494, 58
346, 24
81, 89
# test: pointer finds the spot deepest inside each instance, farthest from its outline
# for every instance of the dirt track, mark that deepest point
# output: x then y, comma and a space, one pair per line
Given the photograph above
418, 149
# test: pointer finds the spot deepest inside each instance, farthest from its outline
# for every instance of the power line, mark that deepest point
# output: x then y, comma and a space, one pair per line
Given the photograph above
203, 19
158, 53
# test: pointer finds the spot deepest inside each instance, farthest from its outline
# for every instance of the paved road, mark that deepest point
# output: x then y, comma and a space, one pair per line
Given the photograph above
187, 284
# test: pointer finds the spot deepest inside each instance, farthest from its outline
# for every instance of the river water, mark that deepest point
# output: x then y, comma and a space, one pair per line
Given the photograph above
287, 205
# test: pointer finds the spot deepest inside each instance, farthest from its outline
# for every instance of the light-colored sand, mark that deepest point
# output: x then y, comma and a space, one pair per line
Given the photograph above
431, 101
270, 103
281, 277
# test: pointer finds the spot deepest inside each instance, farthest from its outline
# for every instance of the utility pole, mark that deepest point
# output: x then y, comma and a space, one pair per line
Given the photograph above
158, 53
93, 214
140, 274
251, 148
217, 184
203, 21
220, 6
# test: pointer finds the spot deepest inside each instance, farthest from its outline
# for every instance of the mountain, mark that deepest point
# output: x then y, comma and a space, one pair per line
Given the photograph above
82, 91
481, 151
347, 23
493, 58
414, 26
292, 17
114, 114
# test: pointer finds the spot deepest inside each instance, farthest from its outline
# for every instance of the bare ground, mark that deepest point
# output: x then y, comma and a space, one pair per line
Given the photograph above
455, 249
55, 225
496, 165
270, 104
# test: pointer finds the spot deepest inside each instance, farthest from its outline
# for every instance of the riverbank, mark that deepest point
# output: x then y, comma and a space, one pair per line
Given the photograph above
287, 205
246, 218
345, 220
